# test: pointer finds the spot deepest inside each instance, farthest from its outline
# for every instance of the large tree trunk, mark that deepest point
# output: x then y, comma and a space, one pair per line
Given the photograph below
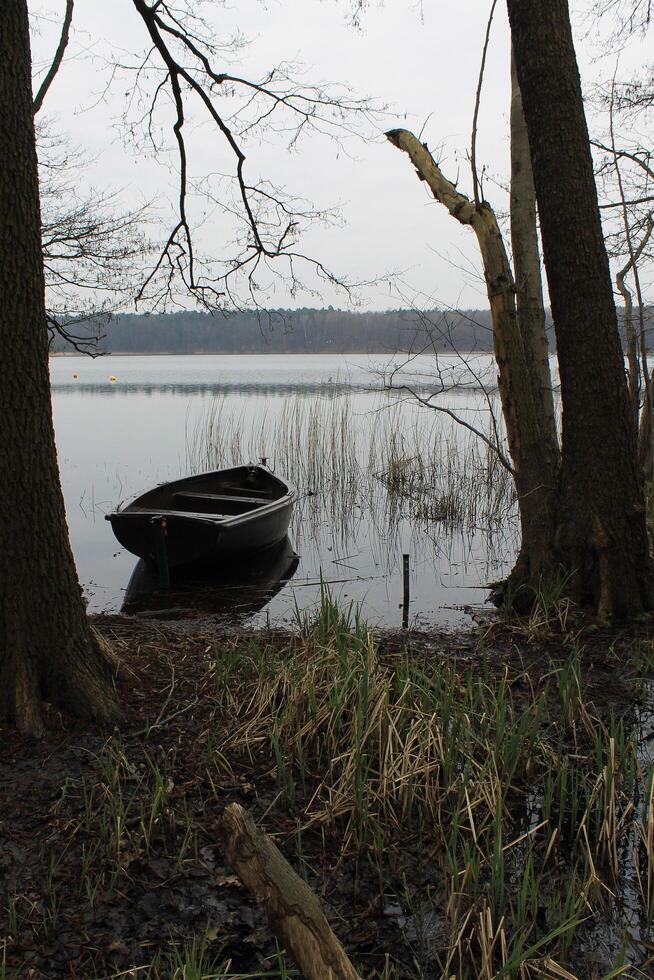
602, 541
529, 423
47, 651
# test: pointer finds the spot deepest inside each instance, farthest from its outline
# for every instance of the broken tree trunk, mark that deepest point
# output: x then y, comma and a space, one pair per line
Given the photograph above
293, 910
529, 425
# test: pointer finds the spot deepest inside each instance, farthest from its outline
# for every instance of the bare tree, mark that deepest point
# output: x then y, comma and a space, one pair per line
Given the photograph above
47, 649
180, 65
581, 537
60, 51
625, 171
94, 251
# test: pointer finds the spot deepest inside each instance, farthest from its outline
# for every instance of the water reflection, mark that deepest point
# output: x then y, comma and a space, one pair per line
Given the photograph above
231, 593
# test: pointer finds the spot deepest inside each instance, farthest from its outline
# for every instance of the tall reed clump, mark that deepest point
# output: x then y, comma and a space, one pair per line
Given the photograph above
524, 802
393, 454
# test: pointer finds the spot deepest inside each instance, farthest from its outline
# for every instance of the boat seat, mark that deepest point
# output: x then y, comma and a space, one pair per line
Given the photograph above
252, 491
222, 497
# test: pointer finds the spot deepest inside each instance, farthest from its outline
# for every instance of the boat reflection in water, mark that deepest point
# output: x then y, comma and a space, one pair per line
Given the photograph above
236, 591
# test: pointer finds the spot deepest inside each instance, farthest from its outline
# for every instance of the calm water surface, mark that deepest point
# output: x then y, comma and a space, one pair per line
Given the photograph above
119, 437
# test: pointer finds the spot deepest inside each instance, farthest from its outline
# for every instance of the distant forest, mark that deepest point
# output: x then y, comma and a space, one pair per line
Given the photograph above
288, 332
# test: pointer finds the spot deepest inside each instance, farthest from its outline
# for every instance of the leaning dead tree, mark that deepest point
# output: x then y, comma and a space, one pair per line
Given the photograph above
518, 318
582, 509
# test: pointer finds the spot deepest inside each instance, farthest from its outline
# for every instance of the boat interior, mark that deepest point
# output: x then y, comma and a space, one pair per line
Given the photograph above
227, 503
228, 493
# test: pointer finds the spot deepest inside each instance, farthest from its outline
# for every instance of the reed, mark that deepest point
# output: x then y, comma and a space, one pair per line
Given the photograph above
404, 460
508, 814
526, 801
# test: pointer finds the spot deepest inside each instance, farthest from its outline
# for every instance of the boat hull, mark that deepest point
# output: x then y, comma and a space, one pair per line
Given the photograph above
153, 522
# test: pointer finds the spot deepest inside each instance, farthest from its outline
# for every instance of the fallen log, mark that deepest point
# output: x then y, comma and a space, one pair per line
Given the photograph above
293, 910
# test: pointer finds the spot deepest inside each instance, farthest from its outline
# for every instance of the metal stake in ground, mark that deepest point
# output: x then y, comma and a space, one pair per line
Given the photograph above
405, 599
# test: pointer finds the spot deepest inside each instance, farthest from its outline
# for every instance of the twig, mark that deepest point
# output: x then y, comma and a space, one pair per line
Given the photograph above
475, 116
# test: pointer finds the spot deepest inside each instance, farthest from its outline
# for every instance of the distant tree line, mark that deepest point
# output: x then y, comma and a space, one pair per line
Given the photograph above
287, 332
299, 331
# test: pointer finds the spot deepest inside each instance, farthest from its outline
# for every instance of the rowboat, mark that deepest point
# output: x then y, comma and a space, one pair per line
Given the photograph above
229, 591
205, 518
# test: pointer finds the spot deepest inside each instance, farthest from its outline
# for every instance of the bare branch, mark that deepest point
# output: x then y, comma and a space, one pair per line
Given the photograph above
635, 157
267, 220
475, 116
637, 200
58, 58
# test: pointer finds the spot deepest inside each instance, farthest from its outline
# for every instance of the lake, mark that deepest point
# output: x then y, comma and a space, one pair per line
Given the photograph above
379, 476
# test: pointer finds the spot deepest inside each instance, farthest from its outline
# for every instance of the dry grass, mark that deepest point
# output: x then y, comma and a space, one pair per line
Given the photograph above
482, 817
533, 807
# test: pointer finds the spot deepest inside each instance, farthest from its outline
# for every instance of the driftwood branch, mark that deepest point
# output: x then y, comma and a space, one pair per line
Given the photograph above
292, 908
58, 58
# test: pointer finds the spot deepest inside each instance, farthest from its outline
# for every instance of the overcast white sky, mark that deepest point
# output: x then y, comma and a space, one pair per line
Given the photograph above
421, 60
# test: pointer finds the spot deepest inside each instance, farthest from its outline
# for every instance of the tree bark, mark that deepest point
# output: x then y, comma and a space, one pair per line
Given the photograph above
633, 364
601, 542
47, 651
293, 910
530, 432
646, 433
526, 266
636, 368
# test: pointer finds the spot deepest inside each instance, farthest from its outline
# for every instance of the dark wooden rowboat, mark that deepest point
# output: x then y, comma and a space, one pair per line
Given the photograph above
205, 518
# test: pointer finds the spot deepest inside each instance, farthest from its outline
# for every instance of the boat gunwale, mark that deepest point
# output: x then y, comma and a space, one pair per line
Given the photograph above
202, 516
223, 520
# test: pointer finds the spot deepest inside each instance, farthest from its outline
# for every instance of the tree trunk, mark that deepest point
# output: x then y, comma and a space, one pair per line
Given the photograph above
646, 433
530, 432
47, 651
602, 542
526, 266
633, 364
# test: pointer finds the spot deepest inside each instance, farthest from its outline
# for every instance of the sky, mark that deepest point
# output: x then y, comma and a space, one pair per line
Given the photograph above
419, 61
